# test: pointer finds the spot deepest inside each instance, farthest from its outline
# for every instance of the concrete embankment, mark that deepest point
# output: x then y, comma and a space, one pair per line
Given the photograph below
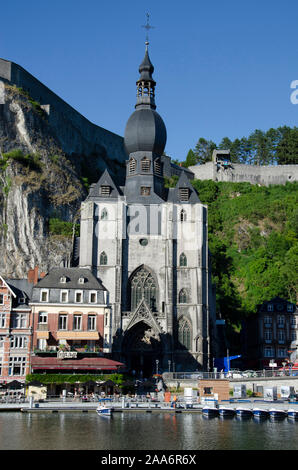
134, 406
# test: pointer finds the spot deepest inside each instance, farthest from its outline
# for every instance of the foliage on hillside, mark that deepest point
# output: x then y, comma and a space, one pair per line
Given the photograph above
275, 146
253, 239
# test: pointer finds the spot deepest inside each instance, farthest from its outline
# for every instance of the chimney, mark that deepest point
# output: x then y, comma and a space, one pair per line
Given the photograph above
33, 275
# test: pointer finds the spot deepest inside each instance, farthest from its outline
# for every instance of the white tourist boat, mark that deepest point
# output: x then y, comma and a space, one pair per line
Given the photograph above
104, 410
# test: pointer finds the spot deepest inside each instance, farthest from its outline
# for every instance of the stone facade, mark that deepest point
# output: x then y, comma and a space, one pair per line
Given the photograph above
222, 169
149, 246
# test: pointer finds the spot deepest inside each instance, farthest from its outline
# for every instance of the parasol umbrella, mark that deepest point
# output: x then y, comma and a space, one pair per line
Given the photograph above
35, 383
15, 385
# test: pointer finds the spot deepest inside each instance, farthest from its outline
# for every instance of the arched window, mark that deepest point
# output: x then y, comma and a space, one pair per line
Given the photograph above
184, 333
182, 260
183, 216
103, 259
143, 286
104, 214
132, 165
183, 297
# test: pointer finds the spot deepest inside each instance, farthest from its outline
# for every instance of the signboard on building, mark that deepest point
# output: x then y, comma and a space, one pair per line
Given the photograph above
67, 354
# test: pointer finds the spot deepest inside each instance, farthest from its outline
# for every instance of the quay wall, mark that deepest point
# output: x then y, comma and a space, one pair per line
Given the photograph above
251, 383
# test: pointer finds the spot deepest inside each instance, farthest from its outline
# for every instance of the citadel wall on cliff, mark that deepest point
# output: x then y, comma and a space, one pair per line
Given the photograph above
222, 169
75, 133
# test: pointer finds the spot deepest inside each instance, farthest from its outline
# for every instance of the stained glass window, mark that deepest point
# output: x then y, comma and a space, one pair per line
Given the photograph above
103, 259
182, 260
143, 287
183, 297
184, 333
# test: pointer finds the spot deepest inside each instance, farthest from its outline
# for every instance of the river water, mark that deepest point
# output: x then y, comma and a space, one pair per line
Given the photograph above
142, 431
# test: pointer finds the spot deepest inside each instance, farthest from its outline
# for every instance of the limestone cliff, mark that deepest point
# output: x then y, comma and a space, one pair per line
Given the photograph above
38, 184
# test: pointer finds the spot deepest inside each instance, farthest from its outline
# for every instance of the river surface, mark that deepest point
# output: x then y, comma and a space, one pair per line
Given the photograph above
142, 431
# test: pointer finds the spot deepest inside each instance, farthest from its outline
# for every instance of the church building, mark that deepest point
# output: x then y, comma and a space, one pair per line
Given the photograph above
148, 245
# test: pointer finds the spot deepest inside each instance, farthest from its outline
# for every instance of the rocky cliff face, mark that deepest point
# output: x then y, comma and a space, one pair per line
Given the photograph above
38, 184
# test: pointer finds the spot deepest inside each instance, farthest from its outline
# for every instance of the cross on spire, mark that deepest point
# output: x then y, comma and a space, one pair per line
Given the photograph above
147, 26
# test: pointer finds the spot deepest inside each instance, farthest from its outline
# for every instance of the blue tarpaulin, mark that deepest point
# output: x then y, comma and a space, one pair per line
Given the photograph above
223, 363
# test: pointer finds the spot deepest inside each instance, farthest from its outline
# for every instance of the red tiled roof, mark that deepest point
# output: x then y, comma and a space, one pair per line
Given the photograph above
100, 363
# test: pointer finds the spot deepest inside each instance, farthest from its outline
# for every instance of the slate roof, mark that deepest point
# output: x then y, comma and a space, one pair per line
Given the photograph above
52, 279
104, 180
183, 182
22, 288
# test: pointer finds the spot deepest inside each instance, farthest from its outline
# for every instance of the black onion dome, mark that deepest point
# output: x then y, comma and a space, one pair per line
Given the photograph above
145, 132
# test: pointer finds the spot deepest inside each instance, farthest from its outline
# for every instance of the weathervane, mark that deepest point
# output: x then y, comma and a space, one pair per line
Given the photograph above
147, 26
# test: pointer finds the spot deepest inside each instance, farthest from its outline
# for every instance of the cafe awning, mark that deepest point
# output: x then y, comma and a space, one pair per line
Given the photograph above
86, 363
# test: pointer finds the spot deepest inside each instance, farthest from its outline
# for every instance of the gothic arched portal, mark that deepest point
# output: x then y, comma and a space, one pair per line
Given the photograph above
141, 347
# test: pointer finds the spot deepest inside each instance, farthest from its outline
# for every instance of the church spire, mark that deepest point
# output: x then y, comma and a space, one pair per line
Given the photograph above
146, 84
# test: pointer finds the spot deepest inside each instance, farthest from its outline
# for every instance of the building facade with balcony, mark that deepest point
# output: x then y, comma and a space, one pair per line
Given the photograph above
71, 323
271, 335
15, 329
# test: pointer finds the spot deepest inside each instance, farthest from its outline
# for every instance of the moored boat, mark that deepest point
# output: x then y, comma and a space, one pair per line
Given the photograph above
260, 413
293, 414
243, 412
103, 410
277, 413
209, 411
226, 412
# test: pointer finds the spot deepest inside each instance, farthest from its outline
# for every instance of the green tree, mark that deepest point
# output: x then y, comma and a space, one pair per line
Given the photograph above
203, 150
287, 148
190, 159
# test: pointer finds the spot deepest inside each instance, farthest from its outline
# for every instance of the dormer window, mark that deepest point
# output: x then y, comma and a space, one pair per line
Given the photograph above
22, 300
184, 194
81, 280
64, 296
63, 279
105, 190
145, 190
44, 296
145, 164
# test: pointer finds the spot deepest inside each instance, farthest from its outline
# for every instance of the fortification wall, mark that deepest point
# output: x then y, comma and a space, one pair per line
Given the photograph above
254, 174
76, 134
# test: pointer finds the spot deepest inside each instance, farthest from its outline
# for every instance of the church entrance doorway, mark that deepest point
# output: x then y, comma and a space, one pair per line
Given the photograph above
142, 348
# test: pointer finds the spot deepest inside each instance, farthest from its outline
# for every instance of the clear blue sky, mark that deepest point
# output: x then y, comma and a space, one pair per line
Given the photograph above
223, 68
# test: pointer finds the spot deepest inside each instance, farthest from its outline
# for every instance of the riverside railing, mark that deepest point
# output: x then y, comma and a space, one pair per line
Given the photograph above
229, 375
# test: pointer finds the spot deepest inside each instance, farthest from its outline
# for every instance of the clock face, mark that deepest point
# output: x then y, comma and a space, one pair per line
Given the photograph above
143, 241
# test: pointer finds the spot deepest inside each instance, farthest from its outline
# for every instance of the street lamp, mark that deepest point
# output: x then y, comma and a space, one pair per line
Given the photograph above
157, 362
